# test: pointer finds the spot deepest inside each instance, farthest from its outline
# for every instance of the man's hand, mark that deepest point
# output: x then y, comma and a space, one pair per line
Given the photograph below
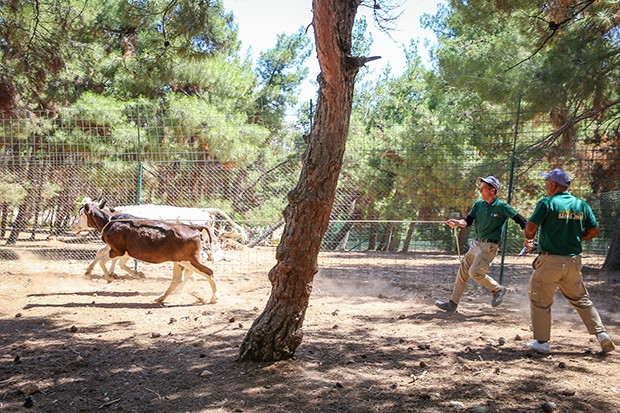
530, 230
453, 223
528, 245
590, 233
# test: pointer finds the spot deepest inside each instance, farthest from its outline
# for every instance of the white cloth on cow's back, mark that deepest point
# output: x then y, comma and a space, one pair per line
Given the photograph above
186, 215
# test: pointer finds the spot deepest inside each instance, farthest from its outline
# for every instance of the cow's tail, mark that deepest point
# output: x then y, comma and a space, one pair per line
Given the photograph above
206, 234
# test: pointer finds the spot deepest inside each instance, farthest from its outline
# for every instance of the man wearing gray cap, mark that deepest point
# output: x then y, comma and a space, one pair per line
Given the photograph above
564, 222
490, 214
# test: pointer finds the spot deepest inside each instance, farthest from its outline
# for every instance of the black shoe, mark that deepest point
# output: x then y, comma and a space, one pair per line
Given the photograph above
448, 306
498, 296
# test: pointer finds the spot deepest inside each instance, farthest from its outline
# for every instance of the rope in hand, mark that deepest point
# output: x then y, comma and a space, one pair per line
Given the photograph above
458, 248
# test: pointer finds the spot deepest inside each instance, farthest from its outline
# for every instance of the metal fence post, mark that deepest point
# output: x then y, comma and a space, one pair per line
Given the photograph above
509, 198
139, 188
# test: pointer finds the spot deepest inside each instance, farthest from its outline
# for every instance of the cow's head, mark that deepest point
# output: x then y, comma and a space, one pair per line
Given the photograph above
80, 222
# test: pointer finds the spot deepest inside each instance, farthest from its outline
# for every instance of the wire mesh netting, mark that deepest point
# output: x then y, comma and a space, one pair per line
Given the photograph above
398, 185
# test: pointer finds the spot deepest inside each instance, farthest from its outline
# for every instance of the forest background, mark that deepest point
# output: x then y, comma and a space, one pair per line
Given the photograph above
153, 102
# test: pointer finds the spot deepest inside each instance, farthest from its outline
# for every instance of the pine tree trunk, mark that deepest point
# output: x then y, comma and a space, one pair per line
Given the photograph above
4, 207
277, 332
408, 237
612, 260
394, 238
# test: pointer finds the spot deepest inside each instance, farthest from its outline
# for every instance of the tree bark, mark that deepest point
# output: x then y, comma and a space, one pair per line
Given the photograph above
4, 208
612, 260
277, 332
394, 237
8, 97
386, 232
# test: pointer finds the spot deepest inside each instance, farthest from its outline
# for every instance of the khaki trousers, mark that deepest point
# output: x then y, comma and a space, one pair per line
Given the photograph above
475, 265
550, 273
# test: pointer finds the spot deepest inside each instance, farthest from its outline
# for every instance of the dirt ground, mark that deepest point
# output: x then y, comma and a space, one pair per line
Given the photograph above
376, 343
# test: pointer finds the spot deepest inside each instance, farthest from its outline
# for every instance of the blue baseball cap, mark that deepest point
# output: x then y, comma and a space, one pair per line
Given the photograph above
558, 176
491, 180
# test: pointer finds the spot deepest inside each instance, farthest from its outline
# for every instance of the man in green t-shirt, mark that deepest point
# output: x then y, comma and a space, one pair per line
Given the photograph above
564, 222
490, 214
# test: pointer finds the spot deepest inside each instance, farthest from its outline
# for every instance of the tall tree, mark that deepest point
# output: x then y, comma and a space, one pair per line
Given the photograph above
277, 332
101, 55
280, 72
560, 58
52, 51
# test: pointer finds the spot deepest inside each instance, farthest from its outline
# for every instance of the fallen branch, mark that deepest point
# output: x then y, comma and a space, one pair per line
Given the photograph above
152, 391
111, 402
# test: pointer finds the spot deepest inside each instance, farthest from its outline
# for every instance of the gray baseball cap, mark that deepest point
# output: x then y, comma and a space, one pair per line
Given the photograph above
491, 180
558, 176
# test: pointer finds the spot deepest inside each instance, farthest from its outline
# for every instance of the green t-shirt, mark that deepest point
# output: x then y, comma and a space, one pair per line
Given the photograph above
562, 218
489, 218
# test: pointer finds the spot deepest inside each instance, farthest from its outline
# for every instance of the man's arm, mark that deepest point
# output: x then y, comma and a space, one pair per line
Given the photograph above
590, 233
520, 219
460, 222
529, 232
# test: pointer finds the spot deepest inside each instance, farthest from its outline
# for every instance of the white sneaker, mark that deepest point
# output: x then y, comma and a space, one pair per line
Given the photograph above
605, 341
538, 346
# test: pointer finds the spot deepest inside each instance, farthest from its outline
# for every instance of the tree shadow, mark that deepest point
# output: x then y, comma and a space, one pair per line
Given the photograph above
195, 370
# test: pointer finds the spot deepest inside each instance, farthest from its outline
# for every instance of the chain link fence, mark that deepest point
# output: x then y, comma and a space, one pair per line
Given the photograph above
398, 184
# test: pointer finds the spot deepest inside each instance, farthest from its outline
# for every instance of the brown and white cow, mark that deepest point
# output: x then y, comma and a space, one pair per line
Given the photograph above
152, 241
193, 216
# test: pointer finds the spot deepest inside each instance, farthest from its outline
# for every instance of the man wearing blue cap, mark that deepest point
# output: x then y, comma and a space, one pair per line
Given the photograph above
490, 214
564, 222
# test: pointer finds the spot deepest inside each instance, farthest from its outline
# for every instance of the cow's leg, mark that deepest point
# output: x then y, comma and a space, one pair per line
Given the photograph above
102, 262
100, 253
177, 278
206, 272
123, 265
103, 256
112, 266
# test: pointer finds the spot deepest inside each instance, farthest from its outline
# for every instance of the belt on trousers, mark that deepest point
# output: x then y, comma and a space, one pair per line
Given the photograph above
494, 241
548, 253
